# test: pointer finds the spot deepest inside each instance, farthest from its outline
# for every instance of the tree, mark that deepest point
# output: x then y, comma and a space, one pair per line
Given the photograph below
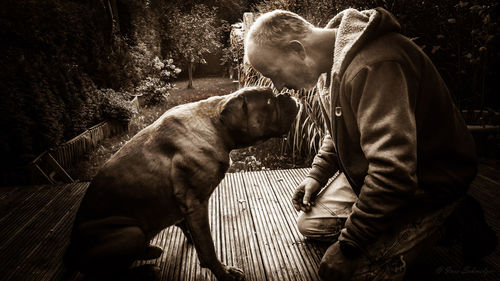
194, 34
232, 55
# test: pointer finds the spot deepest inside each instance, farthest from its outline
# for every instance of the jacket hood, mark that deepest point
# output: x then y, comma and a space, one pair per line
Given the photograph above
354, 28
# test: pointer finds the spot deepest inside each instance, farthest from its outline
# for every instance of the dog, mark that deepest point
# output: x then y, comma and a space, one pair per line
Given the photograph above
164, 176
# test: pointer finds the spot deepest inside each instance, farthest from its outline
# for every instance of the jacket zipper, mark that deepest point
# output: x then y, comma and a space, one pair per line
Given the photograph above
338, 115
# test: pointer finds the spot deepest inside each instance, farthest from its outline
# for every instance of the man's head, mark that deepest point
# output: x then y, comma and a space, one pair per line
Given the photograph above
255, 114
286, 48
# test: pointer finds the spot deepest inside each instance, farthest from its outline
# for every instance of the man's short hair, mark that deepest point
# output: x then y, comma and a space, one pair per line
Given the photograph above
277, 28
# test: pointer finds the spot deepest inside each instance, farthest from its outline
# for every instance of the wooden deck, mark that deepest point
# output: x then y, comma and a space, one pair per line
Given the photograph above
253, 225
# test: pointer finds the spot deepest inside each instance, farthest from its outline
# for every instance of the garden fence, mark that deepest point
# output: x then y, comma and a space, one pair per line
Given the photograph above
50, 165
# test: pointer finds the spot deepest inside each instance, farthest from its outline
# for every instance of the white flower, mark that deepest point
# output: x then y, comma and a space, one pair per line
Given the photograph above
157, 63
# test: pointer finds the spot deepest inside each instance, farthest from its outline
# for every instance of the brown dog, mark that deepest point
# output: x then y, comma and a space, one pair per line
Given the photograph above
164, 176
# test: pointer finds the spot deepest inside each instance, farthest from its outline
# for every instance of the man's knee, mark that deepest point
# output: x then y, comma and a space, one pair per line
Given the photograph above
320, 228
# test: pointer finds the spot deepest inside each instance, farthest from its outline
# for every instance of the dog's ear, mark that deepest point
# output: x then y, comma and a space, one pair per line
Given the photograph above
234, 114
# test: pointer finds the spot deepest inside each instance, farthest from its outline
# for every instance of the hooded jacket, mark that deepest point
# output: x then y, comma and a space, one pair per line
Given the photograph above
396, 133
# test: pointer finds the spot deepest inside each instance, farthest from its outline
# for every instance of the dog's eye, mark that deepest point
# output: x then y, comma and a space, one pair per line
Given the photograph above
268, 101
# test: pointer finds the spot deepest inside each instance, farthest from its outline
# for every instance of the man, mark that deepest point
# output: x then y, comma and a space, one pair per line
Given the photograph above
403, 152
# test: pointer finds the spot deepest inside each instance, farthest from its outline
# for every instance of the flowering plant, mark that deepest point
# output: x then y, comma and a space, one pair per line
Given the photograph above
154, 88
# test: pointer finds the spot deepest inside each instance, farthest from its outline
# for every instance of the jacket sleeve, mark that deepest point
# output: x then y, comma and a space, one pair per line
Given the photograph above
325, 163
384, 106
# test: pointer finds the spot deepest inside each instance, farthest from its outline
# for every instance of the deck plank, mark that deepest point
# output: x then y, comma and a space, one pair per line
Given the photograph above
307, 257
255, 262
268, 227
36, 247
252, 220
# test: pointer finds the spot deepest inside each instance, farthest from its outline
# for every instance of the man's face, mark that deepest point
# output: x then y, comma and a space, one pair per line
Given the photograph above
285, 69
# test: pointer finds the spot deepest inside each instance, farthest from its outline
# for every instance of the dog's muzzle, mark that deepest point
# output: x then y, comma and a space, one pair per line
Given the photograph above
288, 108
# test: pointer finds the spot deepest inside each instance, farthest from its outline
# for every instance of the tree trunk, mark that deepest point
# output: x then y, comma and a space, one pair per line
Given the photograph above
190, 71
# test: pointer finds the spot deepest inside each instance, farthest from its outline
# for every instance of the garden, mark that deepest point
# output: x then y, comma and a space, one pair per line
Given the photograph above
63, 74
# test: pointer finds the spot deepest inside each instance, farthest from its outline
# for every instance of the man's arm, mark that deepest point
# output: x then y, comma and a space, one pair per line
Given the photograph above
325, 163
323, 168
383, 100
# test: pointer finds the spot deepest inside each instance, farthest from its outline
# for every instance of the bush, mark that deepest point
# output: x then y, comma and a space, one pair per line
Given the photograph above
67, 66
116, 105
154, 88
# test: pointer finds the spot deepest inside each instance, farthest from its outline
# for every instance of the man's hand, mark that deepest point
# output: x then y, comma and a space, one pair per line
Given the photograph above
335, 266
302, 196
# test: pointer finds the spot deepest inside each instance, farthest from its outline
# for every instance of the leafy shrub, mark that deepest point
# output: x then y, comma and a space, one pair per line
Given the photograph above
154, 88
116, 105
67, 66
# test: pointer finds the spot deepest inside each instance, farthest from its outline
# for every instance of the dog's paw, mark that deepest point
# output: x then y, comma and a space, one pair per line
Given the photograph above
151, 252
232, 274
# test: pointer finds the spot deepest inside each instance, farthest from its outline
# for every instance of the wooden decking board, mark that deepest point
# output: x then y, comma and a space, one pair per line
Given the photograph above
255, 262
484, 190
242, 258
7, 192
20, 205
42, 255
264, 229
284, 264
43, 225
174, 253
315, 251
287, 213
45, 266
283, 190
166, 252
483, 185
227, 220
38, 257
284, 186
258, 244
490, 171
296, 266
267, 230
14, 245
182, 265
253, 225
253, 211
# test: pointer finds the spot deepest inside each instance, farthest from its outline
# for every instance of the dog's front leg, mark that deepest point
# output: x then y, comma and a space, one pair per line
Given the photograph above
194, 206
199, 227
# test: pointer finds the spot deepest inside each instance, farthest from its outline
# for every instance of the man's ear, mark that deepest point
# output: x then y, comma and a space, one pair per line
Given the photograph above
234, 114
297, 47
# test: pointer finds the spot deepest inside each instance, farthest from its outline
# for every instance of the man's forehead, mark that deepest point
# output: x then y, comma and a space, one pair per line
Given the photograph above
261, 59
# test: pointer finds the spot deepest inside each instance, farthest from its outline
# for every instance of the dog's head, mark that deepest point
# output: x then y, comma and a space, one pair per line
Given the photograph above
255, 114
